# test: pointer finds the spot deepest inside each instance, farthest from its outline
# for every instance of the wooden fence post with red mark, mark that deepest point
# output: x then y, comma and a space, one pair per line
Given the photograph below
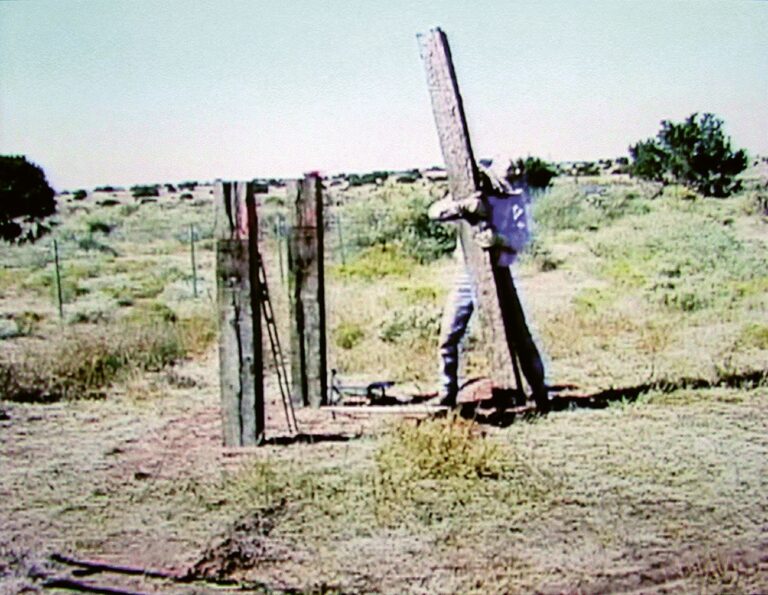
306, 279
237, 284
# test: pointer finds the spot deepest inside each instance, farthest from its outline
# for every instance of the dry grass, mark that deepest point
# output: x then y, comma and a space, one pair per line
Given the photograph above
662, 491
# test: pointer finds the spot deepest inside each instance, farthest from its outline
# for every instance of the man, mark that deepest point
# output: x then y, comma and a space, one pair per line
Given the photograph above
504, 231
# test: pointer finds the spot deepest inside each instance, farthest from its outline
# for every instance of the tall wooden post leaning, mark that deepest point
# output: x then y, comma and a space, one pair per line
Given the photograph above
493, 284
307, 291
237, 285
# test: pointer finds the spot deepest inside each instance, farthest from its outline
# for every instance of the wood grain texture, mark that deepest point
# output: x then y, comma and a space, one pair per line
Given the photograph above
237, 287
307, 291
463, 180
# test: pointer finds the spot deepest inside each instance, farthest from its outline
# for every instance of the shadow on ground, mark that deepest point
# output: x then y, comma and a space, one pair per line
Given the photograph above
504, 407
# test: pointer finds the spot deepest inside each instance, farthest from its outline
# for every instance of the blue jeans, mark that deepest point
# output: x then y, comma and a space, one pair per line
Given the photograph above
456, 314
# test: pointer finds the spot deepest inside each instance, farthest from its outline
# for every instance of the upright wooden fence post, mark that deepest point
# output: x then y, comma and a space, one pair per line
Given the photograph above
307, 291
192, 256
238, 290
59, 301
502, 323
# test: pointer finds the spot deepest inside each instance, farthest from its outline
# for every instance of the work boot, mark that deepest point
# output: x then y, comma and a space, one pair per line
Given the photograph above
541, 398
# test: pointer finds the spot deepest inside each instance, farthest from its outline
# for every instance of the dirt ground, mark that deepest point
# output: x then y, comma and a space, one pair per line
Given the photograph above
667, 494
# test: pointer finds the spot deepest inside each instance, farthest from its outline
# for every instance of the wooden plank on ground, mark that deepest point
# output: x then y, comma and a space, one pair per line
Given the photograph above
400, 410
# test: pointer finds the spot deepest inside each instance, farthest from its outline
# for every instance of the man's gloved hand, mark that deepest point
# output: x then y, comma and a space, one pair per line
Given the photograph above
487, 238
472, 209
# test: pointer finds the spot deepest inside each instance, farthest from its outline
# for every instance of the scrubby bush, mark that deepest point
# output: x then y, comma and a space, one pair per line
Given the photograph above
26, 199
99, 226
145, 191
398, 217
568, 207
419, 321
438, 450
80, 195
586, 168
376, 262
369, 178
686, 265
347, 335
695, 152
83, 361
89, 243
538, 173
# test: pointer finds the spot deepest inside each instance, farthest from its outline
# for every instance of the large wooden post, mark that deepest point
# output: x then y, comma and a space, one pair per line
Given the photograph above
495, 290
307, 291
237, 282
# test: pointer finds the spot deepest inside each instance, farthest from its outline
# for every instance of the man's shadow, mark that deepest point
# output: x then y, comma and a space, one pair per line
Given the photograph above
504, 407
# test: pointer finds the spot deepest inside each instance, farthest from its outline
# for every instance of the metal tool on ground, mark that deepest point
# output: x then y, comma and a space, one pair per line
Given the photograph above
374, 392
277, 352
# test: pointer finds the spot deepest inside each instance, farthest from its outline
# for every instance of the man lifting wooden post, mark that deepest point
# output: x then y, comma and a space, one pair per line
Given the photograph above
504, 332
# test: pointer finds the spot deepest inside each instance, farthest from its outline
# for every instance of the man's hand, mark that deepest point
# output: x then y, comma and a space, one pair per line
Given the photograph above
472, 209
487, 238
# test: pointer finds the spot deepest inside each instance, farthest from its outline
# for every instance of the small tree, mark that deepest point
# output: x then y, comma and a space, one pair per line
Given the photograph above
695, 153
25, 198
538, 172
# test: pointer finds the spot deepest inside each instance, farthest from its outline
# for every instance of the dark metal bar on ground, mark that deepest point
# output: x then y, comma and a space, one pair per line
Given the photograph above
240, 347
306, 280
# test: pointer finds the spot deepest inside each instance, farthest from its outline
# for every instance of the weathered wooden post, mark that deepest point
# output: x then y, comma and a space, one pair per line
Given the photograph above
59, 300
502, 323
238, 291
307, 291
192, 256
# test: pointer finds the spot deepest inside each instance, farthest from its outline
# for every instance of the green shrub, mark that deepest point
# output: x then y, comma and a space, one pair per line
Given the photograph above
695, 152
568, 207
451, 448
83, 361
347, 335
90, 243
755, 335
412, 322
79, 195
145, 191
687, 263
376, 262
25, 197
538, 173
539, 254
99, 226
198, 331
398, 216
128, 210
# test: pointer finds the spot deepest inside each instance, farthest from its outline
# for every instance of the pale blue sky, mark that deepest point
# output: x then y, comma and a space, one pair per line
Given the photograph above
122, 92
